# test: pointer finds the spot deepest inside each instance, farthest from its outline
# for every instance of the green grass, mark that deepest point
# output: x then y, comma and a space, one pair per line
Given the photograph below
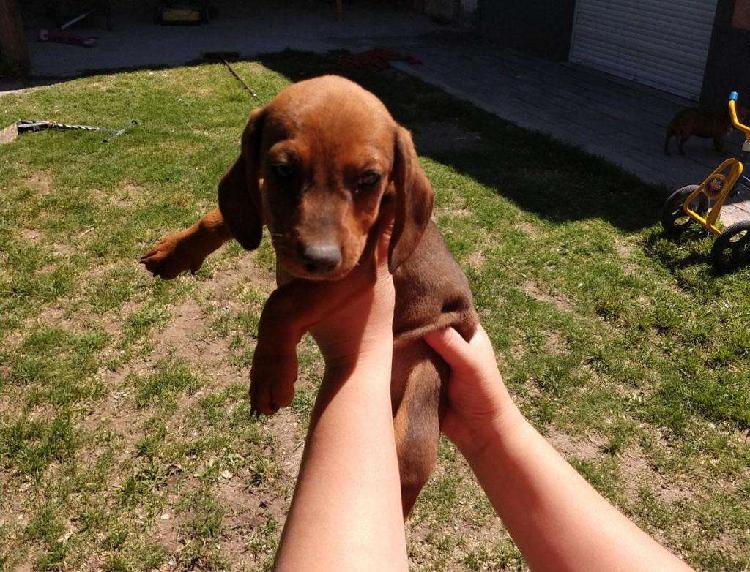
125, 438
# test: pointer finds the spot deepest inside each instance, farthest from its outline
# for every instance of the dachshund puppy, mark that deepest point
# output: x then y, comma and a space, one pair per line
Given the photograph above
324, 166
700, 123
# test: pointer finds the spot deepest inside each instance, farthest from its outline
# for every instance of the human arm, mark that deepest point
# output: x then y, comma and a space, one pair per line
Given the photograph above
558, 521
346, 511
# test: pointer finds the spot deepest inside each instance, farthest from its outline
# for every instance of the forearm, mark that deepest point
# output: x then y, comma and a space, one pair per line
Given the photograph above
346, 512
557, 519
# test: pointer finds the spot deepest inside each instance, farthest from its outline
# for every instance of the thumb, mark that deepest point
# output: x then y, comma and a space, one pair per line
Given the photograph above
383, 246
451, 347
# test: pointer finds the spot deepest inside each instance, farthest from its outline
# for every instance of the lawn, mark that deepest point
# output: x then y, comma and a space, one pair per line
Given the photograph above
125, 437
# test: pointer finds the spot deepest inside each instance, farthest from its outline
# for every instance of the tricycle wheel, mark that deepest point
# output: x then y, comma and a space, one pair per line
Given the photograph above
673, 216
732, 247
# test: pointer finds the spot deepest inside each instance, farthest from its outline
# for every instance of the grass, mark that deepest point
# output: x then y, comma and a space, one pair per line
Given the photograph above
125, 437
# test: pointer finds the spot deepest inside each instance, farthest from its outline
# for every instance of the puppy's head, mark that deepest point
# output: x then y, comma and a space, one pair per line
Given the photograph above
320, 166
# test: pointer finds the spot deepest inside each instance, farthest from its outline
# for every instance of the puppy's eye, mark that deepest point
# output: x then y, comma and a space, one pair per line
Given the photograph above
282, 170
368, 180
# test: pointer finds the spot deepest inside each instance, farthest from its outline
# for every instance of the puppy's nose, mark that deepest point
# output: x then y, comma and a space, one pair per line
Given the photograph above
321, 257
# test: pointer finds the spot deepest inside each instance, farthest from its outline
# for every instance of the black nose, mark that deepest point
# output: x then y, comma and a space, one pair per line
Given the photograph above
321, 257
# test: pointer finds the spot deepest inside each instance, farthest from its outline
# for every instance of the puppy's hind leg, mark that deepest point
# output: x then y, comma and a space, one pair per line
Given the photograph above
418, 375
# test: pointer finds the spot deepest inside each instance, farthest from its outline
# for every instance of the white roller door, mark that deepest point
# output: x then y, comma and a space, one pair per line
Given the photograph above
660, 43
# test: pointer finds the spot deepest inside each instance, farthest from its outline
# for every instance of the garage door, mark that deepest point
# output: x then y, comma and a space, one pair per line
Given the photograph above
660, 43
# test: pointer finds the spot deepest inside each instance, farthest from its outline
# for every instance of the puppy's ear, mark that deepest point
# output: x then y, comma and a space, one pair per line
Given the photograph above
239, 190
414, 199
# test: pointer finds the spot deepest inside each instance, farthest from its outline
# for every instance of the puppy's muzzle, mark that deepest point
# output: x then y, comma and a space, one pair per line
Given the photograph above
320, 258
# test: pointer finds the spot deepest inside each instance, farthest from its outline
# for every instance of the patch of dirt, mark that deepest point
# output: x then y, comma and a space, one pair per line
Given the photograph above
187, 318
78, 322
30, 235
247, 511
625, 251
586, 449
476, 260
444, 137
452, 212
554, 344
529, 229
288, 444
187, 336
40, 182
558, 300
62, 250
167, 532
517, 351
623, 248
471, 525
123, 197
636, 471
245, 269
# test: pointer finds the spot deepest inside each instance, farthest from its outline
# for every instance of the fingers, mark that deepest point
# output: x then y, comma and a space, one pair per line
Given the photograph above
451, 347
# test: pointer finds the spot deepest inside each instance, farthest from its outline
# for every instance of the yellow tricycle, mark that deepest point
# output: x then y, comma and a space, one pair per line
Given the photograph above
720, 204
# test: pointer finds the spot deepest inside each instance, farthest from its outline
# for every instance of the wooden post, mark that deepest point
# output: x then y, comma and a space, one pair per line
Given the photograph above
13, 49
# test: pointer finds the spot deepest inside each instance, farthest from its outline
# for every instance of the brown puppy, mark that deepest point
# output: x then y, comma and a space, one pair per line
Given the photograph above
700, 123
323, 166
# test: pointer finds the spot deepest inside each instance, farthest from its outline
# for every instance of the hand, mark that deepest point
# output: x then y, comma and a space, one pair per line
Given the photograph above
477, 396
363, 325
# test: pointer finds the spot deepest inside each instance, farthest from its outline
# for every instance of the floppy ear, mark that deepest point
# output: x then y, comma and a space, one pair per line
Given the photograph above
414, 199
239, 191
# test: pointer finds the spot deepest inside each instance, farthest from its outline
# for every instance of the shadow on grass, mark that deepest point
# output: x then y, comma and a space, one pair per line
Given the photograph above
553, 180
688, 249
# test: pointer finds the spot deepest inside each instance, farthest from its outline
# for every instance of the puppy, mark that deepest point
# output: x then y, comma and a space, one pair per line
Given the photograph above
700, 123
324, 166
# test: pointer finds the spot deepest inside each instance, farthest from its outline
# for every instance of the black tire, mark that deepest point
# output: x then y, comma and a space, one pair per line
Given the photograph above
732, 247
673, 217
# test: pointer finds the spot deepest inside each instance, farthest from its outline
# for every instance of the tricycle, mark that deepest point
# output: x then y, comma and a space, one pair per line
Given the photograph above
720, 204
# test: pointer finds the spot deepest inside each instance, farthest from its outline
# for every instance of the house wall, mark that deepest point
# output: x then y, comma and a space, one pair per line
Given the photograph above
14, 52
728, 59
543, 27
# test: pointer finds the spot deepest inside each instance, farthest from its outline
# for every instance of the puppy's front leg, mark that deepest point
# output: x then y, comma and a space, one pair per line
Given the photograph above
186, 250
291, 311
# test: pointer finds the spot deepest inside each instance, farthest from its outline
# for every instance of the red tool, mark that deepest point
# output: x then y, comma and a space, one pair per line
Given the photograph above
61, 36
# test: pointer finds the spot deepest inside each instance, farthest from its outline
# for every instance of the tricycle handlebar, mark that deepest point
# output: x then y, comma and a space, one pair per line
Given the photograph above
733, 97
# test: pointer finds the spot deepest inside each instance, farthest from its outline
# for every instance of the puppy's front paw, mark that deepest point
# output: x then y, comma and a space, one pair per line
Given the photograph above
172, 256
272, 380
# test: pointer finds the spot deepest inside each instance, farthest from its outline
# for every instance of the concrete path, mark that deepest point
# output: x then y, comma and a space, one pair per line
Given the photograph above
618, 120
250, 28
